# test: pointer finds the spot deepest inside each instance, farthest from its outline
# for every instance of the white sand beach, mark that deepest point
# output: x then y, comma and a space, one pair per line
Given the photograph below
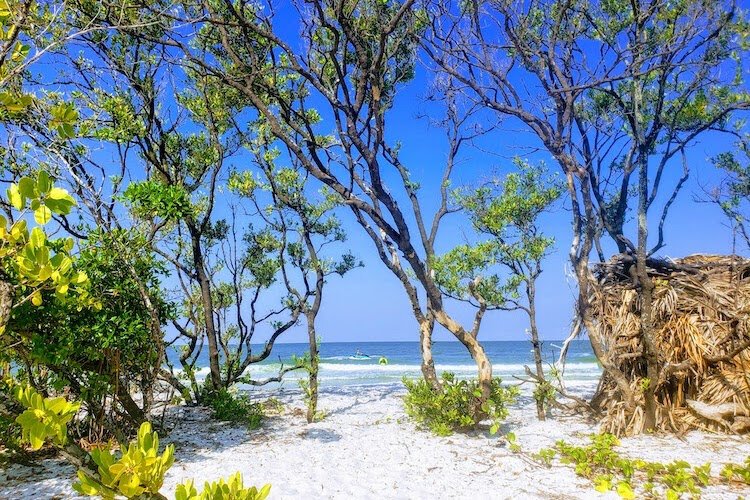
366, 447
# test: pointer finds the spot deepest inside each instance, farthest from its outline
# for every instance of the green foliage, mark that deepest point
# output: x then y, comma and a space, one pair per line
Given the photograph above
737, 472
151, 199
138, 471
544, 392
231, 489
513, 442
10, 408
35, 261
508, 212
230, 407
63, 117
91, 350
44, 418
456, 405
609, 471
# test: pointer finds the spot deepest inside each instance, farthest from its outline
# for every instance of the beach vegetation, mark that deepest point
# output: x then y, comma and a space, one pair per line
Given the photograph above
138, 471
44, 418
501, 271
452, 408
232, 488
621, 127
608, 470
356, 157
230, 406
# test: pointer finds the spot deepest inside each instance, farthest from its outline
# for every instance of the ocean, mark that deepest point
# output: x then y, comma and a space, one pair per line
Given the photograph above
339, 365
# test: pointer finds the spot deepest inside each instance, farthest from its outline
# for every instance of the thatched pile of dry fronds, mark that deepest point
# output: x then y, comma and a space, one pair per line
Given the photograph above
702, 334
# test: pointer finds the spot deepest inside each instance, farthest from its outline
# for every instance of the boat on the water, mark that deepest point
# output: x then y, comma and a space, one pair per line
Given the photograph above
359, 355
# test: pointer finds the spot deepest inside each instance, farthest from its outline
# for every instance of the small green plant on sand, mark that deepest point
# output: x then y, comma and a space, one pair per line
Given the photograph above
631, 478
139, 471
455, 406
737, 472
231, 489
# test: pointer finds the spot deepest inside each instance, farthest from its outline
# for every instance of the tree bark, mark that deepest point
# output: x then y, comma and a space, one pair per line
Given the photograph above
535, 344
646, 287
208, 307
426, 327
312, 405
484, 367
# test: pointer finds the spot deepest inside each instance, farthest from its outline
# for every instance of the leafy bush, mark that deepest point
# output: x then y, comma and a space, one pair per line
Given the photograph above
91, 351
137, 473
230, 407
456, 405
232, 489
139, 470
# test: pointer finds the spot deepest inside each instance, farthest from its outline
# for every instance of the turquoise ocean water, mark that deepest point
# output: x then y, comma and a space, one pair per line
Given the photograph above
338, 366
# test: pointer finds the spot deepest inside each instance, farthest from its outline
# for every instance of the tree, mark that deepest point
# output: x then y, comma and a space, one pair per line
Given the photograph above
618, 93
303, 226
507, 211
100, 353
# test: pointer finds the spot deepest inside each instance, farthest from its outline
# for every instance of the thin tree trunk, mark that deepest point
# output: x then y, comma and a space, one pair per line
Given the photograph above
426, 327
208, 309
312, 315
484, 367
6, 304
312, 404
646, 288
536, 345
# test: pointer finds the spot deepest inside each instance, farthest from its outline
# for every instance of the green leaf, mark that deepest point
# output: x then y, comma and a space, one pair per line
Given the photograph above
42, 215
43, 182
27, 187
625, 491
15, 198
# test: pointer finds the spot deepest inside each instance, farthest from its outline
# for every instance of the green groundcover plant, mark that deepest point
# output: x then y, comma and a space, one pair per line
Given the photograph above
631, 478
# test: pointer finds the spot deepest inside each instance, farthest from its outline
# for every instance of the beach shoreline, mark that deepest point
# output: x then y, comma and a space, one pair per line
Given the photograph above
366, 447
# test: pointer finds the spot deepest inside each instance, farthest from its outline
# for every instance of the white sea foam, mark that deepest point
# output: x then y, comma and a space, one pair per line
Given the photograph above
341, 372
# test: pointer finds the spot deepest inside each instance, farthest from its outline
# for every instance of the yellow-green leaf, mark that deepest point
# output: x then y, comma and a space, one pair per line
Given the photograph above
42, 215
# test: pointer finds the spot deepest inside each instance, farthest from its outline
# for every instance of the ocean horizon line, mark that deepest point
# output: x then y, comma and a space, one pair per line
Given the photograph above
364, 342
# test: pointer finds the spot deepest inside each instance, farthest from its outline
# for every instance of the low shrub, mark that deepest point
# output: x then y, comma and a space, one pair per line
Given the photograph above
456, 406
229, 407
137, 473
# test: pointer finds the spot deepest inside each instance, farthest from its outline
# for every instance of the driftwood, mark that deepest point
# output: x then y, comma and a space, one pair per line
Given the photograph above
701, 314
730, 415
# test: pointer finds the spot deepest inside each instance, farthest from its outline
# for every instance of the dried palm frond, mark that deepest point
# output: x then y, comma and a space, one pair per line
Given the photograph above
701, 315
